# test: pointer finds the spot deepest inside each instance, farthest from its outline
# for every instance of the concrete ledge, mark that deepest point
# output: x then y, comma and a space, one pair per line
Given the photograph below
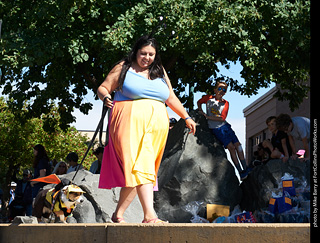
153, 233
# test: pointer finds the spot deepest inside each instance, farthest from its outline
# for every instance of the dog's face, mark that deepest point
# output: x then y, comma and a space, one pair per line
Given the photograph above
71, 195
74, 196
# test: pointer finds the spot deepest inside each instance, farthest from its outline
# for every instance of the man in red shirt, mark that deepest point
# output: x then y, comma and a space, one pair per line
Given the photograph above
216, 114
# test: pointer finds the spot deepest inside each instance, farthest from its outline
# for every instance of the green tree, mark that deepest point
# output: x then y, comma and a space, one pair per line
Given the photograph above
18, 140
55, 50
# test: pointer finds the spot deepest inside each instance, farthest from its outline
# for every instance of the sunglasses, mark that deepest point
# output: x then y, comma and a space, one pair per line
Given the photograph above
223, 89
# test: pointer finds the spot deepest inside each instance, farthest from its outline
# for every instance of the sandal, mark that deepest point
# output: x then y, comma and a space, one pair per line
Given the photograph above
117, 219
155, 221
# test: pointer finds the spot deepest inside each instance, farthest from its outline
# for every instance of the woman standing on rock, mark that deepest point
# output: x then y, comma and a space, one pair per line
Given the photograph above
138, 126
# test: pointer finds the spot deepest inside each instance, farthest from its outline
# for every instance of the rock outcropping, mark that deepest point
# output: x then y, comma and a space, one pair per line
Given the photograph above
194, 168
263, 180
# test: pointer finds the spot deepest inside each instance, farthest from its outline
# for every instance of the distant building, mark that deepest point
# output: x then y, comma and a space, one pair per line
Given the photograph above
90, 134
256, 114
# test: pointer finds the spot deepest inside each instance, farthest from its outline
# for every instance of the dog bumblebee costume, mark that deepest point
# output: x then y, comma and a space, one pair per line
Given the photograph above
57, 199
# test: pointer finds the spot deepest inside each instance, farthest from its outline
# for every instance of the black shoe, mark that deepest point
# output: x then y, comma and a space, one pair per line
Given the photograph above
243, 175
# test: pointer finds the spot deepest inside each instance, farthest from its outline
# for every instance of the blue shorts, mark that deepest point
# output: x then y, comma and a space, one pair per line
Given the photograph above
225, 135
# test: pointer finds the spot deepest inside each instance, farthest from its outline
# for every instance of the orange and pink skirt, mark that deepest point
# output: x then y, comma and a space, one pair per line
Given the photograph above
138, 131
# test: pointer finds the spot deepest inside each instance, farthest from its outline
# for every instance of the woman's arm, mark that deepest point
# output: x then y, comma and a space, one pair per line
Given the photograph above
285, 149
110, 84
174, 103
293, 147
42, 174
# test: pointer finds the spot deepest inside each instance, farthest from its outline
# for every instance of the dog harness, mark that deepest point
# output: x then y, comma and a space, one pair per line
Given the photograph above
53, 198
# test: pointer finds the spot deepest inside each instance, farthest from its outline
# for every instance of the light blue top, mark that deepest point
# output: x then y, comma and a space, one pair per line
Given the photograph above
136, 87
301, 128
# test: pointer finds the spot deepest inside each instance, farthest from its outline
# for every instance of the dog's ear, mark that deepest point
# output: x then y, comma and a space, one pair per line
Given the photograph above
64, 182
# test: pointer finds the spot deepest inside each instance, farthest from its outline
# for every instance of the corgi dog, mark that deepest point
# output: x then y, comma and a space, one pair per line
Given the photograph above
60, 201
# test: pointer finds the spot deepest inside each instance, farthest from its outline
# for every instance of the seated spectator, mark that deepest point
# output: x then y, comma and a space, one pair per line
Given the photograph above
61, 168
279, 145
297, 128
261, 155
22, 203
96, 165
72, 159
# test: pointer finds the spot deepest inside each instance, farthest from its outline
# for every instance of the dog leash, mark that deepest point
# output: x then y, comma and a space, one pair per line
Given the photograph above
54, 197
99, 128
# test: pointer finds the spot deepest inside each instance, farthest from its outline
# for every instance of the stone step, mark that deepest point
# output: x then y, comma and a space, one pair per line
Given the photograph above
154, 233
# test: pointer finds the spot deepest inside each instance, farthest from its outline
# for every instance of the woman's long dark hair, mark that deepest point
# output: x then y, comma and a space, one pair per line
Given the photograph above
40, 155
155, 69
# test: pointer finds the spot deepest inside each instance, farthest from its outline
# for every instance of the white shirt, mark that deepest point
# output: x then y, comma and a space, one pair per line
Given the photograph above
74, 168
301, 128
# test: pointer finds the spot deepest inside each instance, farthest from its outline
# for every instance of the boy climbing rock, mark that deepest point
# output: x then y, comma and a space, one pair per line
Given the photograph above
216, 114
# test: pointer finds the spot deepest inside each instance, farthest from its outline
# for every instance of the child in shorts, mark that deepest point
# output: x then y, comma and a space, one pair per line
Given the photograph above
216, 114
279, 145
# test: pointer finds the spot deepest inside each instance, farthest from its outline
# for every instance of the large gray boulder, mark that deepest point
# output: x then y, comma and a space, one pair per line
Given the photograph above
194, 168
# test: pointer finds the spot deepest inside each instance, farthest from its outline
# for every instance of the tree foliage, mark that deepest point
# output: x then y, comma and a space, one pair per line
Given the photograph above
55, 50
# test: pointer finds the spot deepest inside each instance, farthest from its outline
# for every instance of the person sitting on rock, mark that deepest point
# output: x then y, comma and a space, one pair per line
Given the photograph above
279, 147
297, 128
217, 111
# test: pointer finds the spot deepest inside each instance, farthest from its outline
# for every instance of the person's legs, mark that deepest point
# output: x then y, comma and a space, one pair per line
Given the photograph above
232, 151
145, 193
239, 150
127, 194
241, 155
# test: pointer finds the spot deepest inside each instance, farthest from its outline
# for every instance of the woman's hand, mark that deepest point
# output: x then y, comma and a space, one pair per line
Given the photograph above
191, 125
107, 101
